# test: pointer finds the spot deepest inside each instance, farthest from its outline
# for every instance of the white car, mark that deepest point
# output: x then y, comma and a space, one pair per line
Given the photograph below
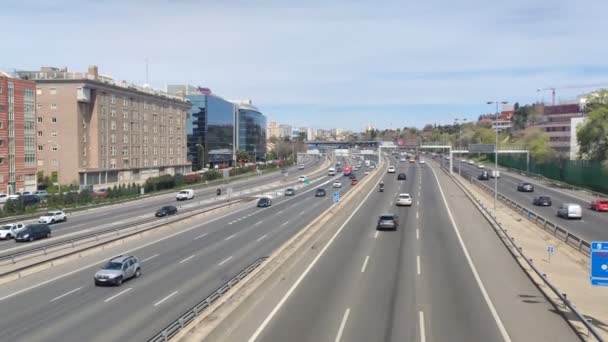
464, 161
404, 199
481, 166
366, 173
302, 178
185, 194
53, 217
471, 162
422, 161
3, 197
337, 184
391, 169
9, 231
402, 160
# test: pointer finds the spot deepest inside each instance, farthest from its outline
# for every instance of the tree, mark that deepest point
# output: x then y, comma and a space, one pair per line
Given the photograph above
593, 133
242, 156
537, 142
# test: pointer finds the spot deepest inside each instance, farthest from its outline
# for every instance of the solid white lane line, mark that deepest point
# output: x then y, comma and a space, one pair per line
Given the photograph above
65, 294
225, 261
364, 264
188, 258
164, 299
118, 294
417, 202
342, 325
302, 213
422, 331
258, 223
417, 215
280, 211
501, 327
293, 287
417, 234
230, 237
418, 264
261, 238
284, 223
376, 234
200, 236
150, 258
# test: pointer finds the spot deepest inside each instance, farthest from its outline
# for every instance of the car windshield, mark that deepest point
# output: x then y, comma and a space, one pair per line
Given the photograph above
49, 214
112, 266
183, 192
387, 218
602, 201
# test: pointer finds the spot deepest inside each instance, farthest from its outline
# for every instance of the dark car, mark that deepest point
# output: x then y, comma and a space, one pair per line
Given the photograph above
284, 171
388, 221
338, 169
264, 202
401, 176
28, 200
542, 201
483, 176
33, 232
525, 187
354, 181
352, 177
290, 192
320, 193
166, 211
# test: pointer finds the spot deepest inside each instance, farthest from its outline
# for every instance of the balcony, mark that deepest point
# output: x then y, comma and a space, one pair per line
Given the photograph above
83, 94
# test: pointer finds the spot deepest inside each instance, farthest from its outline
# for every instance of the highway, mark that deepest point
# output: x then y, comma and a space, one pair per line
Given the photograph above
442, 276
593, 225
139, 210
62, 304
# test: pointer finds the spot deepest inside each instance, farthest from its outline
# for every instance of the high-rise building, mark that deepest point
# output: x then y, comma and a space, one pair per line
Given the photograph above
17, 134
285, 131
556, 121
95, 131
311, 134
272, 130
251, 130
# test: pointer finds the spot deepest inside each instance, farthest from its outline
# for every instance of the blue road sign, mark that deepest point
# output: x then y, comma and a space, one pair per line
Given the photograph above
336, 197
550, 249
599, 263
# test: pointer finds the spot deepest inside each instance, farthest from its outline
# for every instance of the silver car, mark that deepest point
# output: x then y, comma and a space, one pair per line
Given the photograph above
117, 270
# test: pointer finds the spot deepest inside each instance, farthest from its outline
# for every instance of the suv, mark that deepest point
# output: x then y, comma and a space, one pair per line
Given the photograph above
320, 193
388, 221
9, 231
525, 187
483, 175
401, 176
33, 232
544, 201
185, 194
166, 211
53, 217
117, 270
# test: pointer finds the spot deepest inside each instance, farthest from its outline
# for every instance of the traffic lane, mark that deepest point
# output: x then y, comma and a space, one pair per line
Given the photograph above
524, 311
316, 308
156, 269
591, 227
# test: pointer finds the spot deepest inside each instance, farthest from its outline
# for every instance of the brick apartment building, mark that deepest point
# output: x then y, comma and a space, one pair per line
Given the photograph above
556, 121
94, 131
17, 135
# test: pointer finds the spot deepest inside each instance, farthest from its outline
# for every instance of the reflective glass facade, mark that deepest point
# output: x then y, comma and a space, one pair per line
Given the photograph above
252, 133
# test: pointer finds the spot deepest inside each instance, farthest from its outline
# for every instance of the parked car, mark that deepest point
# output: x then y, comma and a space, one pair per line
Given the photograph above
166, 211
53, 217
9, 231
599, 205
544, 201
33, 232
185, 194
264, 202
570, 210
3, 197
29, 200
336, 184
388, 221
525, 187
404, 199
391, 169
483, 176
290, 192
43, 194
100, 193
117, 270
320, 193
401, 176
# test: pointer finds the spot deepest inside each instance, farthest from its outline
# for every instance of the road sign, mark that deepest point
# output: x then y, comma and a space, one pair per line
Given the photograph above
599, 263
550, 249
336, 197
307, 181
481, 148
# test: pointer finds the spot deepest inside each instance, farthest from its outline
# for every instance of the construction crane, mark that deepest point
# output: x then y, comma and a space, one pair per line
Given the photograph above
570, 87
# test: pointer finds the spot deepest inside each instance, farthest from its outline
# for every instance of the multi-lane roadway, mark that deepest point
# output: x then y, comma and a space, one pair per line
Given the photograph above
62, 304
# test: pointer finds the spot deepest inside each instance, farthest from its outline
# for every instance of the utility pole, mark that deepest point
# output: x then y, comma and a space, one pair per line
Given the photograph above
496, 149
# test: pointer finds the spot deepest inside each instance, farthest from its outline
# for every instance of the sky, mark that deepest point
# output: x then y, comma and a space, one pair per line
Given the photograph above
326, 64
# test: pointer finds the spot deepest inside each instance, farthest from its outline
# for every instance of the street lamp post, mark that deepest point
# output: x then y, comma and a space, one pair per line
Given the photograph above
496, 149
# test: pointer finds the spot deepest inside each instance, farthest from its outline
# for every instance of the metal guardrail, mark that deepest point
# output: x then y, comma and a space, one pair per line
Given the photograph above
176, 326
562, 296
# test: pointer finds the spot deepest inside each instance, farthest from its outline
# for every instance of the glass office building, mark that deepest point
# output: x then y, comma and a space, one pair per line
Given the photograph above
252, 132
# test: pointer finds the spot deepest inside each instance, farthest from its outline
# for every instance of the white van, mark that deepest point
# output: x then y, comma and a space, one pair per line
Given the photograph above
331, 171
185, 194
367, 162
495, 174
570, 210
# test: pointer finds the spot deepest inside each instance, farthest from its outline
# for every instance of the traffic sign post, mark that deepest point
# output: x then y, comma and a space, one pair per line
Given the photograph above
550, 250
336, 197
599, 263
307, 181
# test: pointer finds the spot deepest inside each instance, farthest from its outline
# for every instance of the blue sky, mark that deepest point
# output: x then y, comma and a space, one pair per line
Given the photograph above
326, 63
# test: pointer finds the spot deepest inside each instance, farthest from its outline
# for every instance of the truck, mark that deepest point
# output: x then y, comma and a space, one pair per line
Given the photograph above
347, 171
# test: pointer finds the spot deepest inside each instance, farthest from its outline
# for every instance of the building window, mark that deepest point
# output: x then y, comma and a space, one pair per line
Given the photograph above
39, 133
125, 151
125, 102
125, 126
145, 128
113, 99
54, 119
113, 113
53, 91
53, 134
145, 139
39, 119
113, 138
38, 91
125, 114
145, 116
53, 106
38, 105
112, 151
125, 139
113, 125
54, 148
40, 147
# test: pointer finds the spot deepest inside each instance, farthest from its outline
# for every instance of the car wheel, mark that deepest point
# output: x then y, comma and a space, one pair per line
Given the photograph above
137, 273
52, 221
96, 283
118, 281
48, 235
30, 239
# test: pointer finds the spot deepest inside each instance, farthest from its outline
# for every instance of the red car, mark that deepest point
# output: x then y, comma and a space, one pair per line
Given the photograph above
599, 205
354, 181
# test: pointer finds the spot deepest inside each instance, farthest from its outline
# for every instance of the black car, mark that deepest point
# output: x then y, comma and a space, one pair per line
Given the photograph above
264, 202
483, 176
28, 200
388, 221
166, 211
34, 232
352, 176
401, 176
320, 193
290, 192
338, 169
525, 187
284, 171
544, 201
